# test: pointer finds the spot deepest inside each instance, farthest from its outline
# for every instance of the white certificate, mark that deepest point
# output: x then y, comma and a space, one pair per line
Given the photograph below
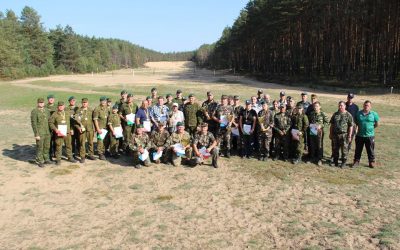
118, 132
147, 126
313, 129
295, 134
103, 134
131, 118
144, 156
180, 150
224, 121
62, 129
157, 155
235, 131
204, 153
246, 129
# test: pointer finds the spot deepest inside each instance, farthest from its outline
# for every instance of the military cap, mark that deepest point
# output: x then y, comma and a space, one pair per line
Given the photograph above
224, 97
162, 123
168, 95
71, 98
140, 126
40, 100
263, 102
60, 103
191, 95
115, 106
289, 98
148, 98
179, 124
313, 96
123, 92
175, 104
299, 105
282, 93
204, 124
109, 99
153, 89
236, 97
103, 98
50, 96
304, 93
248, 102
179, 91
350, 95
282, 106
85, 99
130, 95
209, 93
260, 91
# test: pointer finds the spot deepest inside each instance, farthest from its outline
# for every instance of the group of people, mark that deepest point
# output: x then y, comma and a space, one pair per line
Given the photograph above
178, 130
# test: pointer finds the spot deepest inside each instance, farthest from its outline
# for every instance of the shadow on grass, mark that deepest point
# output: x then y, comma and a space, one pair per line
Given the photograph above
25, 153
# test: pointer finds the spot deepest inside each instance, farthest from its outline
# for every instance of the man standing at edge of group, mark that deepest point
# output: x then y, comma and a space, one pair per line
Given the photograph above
282, 124
100, 116
367, 121
40, 126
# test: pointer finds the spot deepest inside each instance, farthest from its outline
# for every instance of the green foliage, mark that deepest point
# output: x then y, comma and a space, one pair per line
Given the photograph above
27, 49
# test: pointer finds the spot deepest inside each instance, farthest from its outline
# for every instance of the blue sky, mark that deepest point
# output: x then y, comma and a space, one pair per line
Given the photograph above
162, 25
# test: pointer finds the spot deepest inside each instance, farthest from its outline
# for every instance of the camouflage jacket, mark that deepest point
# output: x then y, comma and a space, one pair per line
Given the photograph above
201, 140
159, 139
318, 118
183, 138
140, 141
40, 121
84, 118
101, 114
265, 121
114, 120
341, 122
300, 122
52, 108
223, 110
192, 113
282, 122
60, 118
209, 108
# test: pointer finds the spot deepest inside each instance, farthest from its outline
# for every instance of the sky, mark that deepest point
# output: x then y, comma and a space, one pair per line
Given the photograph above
161, 25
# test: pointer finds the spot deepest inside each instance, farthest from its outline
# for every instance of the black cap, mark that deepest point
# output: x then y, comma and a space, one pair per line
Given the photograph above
262, 103
289, 98
350, 95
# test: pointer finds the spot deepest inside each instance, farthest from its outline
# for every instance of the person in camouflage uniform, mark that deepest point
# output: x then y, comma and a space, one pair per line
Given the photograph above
224, 130
179, 137
74, 138
340, 133
318, 119
305, 103
169, 102
140, 142
274, 110
128, 108
100, 116
290, 106
61, 117
265, 123
154, 97
84, 126
179, 99
300, 123
208, 108
236, 139
205, 139
282, 124
40, 126
122, 100
51, 107
113, 121
159, 139
192, 114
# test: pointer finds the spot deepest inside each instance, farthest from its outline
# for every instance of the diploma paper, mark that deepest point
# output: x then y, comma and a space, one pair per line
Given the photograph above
147, 126
118, 132
130, 119
313, 129
295, 134
246, 129
144, 156
224, 121
102, 135
62, 129
204, 153
180, 150
157, 156
235, 131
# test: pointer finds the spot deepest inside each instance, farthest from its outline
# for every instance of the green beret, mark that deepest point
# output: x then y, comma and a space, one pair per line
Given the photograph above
71, 98
60, 103
191, 95
115, 106
50, 96
123, 92
168, 95
85, 99
40, 100
153, 89
130, 95
140, 126
148, 98
103, 98
179, 124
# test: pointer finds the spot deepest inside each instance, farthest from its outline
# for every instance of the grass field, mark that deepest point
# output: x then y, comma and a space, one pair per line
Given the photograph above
243, 204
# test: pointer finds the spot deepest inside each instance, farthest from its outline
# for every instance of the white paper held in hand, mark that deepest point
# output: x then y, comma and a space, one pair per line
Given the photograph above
103, 134
144, 156
118, 132
295, 134
131, 118
246, 129
62, 129
147, 126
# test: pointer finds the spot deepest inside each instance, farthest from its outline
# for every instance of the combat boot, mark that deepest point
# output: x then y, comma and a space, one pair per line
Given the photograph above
102, 157
72, 160
40, 164
91, 157
372, 164
82, 160
343, 164
355, 164
215, 163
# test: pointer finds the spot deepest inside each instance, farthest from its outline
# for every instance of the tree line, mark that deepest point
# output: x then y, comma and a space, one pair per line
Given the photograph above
335, 40
28, 49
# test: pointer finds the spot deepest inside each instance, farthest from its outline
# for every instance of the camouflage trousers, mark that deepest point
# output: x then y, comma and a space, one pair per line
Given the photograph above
296, 148
59, 144
282, 145
224, 139
340, 143
214, 156
264, 141
127, 133
42, 148
136, 160
83, 137
101, 149
177, 160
